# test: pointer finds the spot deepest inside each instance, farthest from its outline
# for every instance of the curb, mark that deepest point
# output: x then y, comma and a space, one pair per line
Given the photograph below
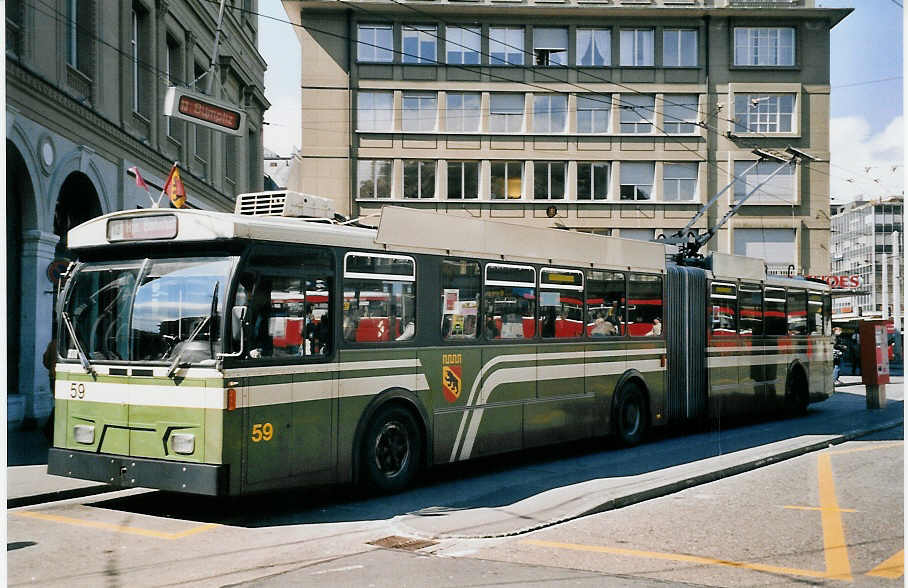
673, 487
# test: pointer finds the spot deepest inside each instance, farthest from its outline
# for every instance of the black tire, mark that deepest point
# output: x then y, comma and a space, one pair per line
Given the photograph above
629, 415
797, 394
392, 449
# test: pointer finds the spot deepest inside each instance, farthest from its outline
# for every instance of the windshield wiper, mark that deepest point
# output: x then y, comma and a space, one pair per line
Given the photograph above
176, 360
83, 358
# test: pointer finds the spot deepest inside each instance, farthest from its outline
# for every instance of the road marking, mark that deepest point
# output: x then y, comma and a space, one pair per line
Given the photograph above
893, 568
871, 448
709, 561
818, 508
835, 547
116, 528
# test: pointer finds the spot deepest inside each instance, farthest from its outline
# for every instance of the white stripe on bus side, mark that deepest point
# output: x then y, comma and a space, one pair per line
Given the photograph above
150, 395
541, 373
754, 360
757, 348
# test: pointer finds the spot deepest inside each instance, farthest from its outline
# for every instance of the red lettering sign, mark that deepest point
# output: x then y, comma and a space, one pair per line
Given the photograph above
840, 281
209, 113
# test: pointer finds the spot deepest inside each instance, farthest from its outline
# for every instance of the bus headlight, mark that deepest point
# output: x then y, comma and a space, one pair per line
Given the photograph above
84, 434
182, 443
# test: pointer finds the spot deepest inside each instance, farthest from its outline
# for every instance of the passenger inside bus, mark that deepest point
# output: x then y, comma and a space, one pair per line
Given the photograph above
259, 316
321, 340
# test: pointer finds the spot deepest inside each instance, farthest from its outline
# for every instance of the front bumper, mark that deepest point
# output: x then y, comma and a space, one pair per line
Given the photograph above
138, 472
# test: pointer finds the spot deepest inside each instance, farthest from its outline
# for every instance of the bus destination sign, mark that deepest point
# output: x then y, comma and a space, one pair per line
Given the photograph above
204, 111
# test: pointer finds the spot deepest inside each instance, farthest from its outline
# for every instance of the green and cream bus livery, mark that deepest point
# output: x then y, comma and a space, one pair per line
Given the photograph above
227, 354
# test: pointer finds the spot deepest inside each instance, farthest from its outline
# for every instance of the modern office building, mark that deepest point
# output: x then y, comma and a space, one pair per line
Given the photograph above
85, 85
620, 117
867, 237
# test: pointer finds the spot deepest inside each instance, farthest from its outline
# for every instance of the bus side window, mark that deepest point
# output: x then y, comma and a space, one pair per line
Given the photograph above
604, 304
750, 310
510, 301
645, 305
723, 300
461, 281
379, 298
774, 314
814, 313
797, 312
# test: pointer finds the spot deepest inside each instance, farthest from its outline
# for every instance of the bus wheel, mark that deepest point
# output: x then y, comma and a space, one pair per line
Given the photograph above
797, 396
630, 415
392, 449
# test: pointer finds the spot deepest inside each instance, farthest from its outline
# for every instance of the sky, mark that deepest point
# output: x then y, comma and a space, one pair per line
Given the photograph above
867, 129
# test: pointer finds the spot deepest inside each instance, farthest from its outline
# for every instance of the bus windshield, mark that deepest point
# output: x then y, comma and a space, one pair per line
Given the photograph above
148, 310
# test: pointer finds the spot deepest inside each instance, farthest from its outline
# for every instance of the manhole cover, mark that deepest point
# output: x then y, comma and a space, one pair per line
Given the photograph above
405, 543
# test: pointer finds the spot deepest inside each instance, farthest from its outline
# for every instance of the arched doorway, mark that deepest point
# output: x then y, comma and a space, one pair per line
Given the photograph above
77, 203
19, 194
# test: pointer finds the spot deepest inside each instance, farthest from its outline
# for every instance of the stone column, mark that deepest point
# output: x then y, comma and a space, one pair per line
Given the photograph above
36, 321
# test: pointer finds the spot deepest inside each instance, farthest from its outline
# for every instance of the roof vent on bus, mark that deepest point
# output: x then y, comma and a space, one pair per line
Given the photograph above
284, 203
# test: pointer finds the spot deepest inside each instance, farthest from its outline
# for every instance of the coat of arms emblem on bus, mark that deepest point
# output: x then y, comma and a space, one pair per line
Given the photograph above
451, 375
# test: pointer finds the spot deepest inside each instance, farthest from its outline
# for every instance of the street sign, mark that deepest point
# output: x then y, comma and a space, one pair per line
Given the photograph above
56, 269
204, 110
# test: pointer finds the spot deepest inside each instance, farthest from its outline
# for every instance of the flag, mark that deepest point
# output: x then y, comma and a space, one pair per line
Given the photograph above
173, 187
140, 181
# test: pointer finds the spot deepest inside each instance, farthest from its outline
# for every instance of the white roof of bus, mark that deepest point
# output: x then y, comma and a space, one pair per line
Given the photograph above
405, 230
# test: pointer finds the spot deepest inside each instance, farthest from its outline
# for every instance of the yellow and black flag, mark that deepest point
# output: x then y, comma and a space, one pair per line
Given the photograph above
174, 188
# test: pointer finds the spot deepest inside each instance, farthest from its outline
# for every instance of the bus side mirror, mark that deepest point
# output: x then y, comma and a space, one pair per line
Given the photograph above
238, 316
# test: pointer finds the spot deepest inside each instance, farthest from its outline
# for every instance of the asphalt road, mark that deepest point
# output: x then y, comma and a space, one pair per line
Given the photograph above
328, 537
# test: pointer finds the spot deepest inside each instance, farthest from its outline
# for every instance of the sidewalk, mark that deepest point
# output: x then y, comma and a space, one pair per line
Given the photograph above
28, 482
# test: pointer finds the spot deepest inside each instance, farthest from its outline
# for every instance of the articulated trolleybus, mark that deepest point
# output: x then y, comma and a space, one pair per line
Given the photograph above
226, 354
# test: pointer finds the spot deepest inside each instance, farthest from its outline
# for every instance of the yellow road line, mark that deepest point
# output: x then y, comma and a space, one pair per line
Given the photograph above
834, 546
893, 568
112, 527
679, 557
818, 508
859, 449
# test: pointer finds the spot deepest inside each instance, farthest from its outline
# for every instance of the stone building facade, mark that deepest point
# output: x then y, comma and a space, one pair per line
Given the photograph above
85, 85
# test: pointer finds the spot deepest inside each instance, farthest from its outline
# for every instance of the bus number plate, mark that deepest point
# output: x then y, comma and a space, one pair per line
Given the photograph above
77, 390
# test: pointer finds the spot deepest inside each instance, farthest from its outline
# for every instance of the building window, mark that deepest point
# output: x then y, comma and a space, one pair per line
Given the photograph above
680, 114
374, 111
174, 73
764, 113
463, 180
594, 113
373, 178
419, 178
463, 45
776, 246
419, 111
638, 234
506, 45
375, 43
637, 113
637, 180
549, 113
679, 181
506, 113
679, 48
14, 26
637, 47
507, 180
419, 43
79, 31
594, 47
548, 180
778, 190
463, 112
550, 46
592, 181
765, 46
139, 49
